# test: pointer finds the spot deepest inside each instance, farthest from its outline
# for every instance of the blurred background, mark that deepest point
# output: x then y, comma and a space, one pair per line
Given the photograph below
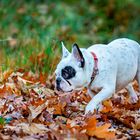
31, 31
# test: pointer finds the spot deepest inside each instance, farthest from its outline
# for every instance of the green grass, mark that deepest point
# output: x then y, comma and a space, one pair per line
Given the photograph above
38, 27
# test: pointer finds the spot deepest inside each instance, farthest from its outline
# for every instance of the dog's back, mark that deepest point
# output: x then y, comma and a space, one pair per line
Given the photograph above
125, 53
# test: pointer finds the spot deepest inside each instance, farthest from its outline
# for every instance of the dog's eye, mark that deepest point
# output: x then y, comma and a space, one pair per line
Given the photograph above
68, 72
65, 75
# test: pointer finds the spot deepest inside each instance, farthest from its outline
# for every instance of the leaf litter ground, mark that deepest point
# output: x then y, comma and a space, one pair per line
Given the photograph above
31, 109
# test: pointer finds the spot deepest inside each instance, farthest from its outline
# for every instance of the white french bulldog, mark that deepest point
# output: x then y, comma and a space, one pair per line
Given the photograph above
103, 69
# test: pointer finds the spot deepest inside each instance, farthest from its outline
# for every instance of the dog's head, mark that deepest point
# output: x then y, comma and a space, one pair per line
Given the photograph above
70, 71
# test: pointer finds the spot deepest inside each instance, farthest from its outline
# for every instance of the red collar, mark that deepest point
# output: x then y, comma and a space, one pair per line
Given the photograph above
95, 69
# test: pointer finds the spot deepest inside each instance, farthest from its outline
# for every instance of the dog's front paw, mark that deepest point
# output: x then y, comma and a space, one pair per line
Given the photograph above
134, 98
91, 107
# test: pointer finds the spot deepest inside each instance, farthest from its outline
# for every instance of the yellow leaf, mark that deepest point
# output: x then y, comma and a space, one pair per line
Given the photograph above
107, 106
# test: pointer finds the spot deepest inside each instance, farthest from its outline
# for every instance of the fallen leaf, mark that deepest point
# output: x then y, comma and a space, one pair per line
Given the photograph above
102, 132
34, 128
35, 111
91, 124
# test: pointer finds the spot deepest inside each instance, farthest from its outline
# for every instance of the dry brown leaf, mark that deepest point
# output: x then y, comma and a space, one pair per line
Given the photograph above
102, 132
58, 108
137, 124
34, 128
35, 111
24, 80
91, 124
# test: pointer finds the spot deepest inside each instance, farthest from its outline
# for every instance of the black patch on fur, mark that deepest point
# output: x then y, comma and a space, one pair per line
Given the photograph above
68, 72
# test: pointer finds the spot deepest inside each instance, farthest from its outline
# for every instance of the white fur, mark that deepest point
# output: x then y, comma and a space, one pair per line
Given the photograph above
118, 64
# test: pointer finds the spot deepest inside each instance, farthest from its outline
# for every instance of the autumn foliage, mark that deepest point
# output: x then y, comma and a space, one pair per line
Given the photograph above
30, 108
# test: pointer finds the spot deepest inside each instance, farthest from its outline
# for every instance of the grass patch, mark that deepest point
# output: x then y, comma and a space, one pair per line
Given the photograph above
37, 27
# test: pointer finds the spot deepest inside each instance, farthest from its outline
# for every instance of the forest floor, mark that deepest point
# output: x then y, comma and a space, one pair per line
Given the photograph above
31, 109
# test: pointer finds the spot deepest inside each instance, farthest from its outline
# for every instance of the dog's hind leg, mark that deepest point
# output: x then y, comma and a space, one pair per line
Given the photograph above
132, 93
138, 75
138, 72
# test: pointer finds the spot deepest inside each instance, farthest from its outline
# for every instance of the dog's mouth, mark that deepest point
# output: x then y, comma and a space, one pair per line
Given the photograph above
67, 91
70, 91
60, 90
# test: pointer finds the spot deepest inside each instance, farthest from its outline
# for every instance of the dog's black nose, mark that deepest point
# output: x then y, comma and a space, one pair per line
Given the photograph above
58, 88
58, 80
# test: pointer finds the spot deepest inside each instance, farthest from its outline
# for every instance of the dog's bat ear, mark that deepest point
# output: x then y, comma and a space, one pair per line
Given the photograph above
65, 52
77, 54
